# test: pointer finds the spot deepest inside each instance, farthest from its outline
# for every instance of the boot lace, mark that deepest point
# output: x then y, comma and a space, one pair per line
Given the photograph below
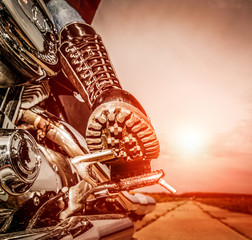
90, 59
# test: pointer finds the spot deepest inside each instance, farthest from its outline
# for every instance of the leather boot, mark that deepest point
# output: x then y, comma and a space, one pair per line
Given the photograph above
118, 120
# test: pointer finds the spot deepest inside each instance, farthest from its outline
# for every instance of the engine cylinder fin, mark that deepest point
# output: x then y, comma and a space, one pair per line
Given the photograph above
34, 94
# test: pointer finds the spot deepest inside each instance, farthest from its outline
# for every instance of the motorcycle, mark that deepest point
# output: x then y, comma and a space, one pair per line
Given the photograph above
52, 186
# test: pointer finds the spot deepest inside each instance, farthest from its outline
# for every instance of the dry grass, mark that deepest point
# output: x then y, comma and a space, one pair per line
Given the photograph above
234, 204
163, 197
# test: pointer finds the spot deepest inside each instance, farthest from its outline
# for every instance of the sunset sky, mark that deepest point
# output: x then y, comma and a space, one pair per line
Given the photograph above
189, 62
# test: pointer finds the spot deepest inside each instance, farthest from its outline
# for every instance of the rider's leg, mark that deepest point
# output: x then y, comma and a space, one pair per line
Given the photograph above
118, 121
63, 13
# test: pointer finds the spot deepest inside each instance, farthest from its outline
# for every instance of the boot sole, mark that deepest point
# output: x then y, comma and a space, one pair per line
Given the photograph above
123, 128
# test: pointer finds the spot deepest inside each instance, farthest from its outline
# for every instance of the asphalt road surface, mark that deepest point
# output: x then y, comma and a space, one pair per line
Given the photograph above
191, 220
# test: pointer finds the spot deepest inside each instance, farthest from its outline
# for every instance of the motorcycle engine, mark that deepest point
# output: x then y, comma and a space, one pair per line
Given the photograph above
19, 161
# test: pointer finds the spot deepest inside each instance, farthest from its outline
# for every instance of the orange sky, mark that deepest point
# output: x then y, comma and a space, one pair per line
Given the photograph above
189, 63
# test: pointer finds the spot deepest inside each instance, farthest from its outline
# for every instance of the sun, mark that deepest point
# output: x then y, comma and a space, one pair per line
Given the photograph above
190, 140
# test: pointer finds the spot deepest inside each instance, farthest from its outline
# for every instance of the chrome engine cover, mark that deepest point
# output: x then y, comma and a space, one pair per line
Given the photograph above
28, 42
19, 161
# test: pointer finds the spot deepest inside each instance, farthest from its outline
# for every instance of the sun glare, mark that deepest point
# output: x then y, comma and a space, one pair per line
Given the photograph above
190, 141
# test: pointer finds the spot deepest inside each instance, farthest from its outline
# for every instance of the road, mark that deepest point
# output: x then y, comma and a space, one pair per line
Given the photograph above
191, 220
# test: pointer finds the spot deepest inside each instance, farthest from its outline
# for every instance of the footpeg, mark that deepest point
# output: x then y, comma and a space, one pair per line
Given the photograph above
164, 184
131, 183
